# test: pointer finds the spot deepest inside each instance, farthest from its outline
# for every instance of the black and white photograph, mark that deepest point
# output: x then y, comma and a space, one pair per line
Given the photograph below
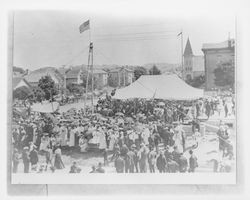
102, 95
122, 96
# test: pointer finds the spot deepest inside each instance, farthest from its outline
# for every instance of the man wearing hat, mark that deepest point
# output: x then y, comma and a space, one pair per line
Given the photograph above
136, 157
26, 159
74, 168
33, 158
129, 161
143, 158
119, 164
192, 162
15, 160
152, 160
183, 163
161, 162
167, 153
176, 154
99, 168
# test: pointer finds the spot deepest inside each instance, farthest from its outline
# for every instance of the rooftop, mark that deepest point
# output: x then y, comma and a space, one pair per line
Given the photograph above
73, 73
36, 75
99, 71
222, 45
188, 49
120, 69
17, 80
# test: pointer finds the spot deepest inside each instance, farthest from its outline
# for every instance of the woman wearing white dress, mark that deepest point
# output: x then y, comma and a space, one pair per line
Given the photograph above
179, 132
95, 139
44, 143
102, 140
220, 107
63, 135
112, 141
72, 138
83, 143
145, 135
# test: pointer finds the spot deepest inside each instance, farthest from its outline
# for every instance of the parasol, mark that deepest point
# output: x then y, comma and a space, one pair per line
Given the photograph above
119, 114
161, 104
129, 119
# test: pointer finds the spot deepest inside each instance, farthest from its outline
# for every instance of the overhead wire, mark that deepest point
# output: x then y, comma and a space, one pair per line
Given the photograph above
76, 56
128, 26
100, 53
136, 33
133, 39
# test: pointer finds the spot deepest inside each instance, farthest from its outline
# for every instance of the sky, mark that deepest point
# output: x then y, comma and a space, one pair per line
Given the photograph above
52, 38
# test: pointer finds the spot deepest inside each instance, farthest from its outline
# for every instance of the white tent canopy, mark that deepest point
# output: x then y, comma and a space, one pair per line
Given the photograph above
45, 107
169, 87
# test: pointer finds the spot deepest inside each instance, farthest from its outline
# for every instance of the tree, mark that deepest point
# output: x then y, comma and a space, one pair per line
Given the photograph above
38, 94
154, 71
21, 93
197, 81
74, 88
224, 74
48, 86
139, 71
112, 81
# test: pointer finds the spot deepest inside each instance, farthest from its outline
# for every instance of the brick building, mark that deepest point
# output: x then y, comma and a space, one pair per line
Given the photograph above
214, 55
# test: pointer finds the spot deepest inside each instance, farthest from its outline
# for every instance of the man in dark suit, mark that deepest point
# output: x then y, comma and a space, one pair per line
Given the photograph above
192, 162
119, 164
26, 159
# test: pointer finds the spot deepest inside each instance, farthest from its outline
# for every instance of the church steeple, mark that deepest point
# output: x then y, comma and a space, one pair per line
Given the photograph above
188, 49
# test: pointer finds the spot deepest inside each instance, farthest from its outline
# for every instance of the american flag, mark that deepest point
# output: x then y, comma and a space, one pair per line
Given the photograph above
85, 26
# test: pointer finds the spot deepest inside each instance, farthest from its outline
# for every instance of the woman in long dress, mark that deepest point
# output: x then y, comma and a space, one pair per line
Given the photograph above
102, 140
58, 159
83, 143
72, 138
145, 135
44, 144
112, 138
178, 138
63, 135
95, 139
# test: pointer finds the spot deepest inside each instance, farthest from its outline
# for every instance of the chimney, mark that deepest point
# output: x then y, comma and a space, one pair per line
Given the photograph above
229, 40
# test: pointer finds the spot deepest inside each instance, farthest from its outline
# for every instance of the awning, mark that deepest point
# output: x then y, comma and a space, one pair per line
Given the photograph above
48, 107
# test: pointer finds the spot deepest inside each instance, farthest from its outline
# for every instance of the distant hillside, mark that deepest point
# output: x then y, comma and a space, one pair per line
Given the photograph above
18, 69
163, 67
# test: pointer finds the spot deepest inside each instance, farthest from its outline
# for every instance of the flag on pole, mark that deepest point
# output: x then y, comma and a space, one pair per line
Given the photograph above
85, 26
179, 33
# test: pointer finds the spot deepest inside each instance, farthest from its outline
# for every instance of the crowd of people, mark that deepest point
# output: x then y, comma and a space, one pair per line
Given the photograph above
136, 136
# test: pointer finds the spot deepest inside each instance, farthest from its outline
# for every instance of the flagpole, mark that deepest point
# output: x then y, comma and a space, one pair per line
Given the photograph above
182, 52
92, 70
83, 27
87, 82
182, 70
92, 77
